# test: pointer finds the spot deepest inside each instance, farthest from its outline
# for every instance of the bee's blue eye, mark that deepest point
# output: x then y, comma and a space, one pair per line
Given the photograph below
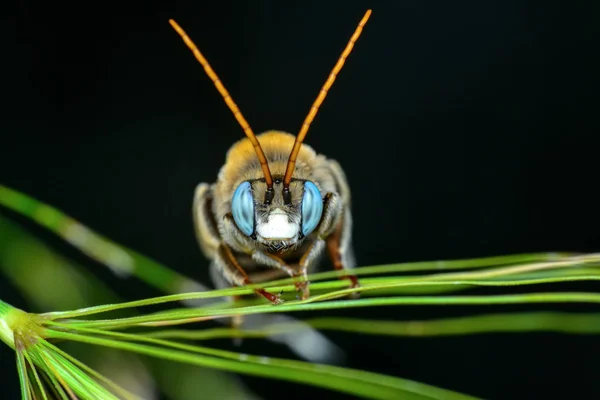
312, 207
242, 208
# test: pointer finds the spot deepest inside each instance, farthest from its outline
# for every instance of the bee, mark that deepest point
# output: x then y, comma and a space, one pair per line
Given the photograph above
277, 205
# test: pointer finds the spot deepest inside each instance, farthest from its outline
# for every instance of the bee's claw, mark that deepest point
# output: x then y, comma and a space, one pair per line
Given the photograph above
302, 290
273, 298
353, 285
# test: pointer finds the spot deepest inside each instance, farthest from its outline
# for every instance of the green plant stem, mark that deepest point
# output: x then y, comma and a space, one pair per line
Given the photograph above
509, 323
6, 333
120, 259
361, 383
23, 380
176, 317
37, 379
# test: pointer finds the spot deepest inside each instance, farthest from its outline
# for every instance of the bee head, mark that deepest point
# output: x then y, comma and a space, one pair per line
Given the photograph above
279, 221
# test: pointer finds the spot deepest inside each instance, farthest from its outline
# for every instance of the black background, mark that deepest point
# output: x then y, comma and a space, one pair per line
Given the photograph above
465, 128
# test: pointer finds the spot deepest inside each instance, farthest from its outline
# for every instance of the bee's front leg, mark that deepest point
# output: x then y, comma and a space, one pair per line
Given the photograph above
333, 232
308, 258
273, 261
231, 268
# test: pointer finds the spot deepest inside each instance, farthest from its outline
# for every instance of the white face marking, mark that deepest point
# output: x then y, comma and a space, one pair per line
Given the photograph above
277, 226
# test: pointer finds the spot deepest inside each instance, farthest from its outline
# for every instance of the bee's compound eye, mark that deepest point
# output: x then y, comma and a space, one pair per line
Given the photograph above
312, 207
242, 208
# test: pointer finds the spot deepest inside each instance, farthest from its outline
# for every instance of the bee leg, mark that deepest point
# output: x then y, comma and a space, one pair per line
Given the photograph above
236, 274
273, 261
236, 322
259, 257
333, 246
338, 242
307, 259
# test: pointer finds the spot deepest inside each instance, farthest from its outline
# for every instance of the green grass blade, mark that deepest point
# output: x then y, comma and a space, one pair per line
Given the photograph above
38, 381
180, 315
87, 370
120, 259
479, 277
44, 277
23, 378
6, 334
55, 383
356, 382
569, 323
441, 265
74, 380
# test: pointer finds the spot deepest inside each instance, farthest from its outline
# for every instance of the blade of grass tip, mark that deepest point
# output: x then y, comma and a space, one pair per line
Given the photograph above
116, 388
23, 378
121, 260
38, 382
355, 382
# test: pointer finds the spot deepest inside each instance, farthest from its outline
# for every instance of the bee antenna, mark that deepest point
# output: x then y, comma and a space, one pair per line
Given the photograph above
230, 103
315, 107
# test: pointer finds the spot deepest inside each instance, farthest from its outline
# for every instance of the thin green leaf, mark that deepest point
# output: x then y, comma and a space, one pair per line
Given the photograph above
23, 378
355, 382
178, 315
120, 259
87, 370
39, 384
509, 323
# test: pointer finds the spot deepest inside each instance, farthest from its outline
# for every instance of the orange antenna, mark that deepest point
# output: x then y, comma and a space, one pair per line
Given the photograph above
315, 107
232, 106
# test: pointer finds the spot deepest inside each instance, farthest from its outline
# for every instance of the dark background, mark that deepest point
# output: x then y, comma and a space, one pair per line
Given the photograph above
465, 128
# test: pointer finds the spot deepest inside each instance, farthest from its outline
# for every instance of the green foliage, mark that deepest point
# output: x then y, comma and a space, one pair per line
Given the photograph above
45, 370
